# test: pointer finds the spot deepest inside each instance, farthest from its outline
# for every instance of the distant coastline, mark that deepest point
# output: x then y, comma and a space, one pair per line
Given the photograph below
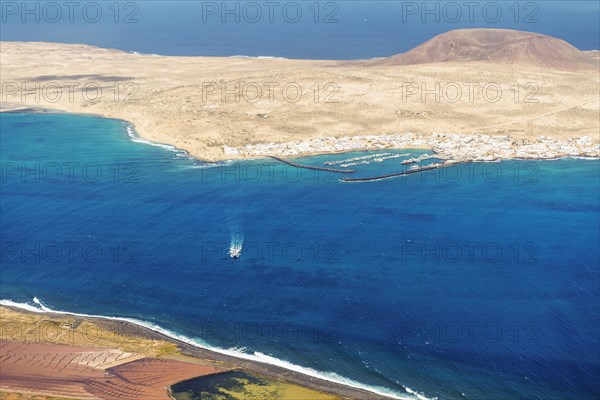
221, 115
450, 147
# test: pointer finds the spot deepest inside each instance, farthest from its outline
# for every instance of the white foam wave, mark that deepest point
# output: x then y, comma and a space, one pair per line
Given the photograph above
206, 165
271, 58
234, 352
135, 138
215, 164
259, 57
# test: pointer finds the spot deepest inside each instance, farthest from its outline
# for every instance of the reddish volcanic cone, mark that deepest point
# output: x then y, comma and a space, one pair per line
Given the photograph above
498, 46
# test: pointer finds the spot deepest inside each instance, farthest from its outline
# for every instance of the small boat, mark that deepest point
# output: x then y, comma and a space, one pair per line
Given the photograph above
235, 249
235, 252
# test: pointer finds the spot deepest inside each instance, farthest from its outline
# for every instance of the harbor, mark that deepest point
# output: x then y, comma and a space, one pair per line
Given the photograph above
449, 146
313, 167
415, 169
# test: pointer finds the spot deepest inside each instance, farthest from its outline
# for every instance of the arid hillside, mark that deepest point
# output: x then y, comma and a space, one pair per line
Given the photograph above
499, 46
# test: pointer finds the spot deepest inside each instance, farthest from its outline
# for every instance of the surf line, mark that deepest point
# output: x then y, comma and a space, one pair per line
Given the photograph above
296, 165
395, 175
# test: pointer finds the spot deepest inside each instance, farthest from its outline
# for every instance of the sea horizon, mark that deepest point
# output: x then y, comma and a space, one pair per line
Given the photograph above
353, 29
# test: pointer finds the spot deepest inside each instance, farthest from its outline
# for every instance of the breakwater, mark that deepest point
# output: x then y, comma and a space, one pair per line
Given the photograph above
397, 174
293, 164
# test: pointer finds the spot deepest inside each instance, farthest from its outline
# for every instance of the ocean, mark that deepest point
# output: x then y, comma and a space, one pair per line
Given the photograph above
293, 29
479, 281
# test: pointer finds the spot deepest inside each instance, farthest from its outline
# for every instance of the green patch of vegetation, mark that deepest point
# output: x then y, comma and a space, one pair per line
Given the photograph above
242, 385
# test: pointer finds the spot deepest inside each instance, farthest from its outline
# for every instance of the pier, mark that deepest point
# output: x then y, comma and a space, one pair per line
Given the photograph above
397, 174
296, 165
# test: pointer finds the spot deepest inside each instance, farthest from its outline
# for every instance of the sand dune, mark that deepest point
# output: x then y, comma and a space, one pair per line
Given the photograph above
498, 46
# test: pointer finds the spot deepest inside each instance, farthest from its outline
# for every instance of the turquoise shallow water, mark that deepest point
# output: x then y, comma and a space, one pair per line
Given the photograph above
473, 283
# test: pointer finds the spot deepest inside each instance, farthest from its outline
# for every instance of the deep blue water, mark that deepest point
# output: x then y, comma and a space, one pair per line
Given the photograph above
300, 29
478, 283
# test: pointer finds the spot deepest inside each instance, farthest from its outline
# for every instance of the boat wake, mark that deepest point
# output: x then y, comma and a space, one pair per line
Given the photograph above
233, 352
237, 237
235, 249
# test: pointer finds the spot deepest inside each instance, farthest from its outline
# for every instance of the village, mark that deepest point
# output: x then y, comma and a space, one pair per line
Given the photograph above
452, 147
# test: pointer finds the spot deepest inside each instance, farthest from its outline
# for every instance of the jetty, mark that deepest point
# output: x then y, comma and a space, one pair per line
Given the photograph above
397, 174
296, 165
